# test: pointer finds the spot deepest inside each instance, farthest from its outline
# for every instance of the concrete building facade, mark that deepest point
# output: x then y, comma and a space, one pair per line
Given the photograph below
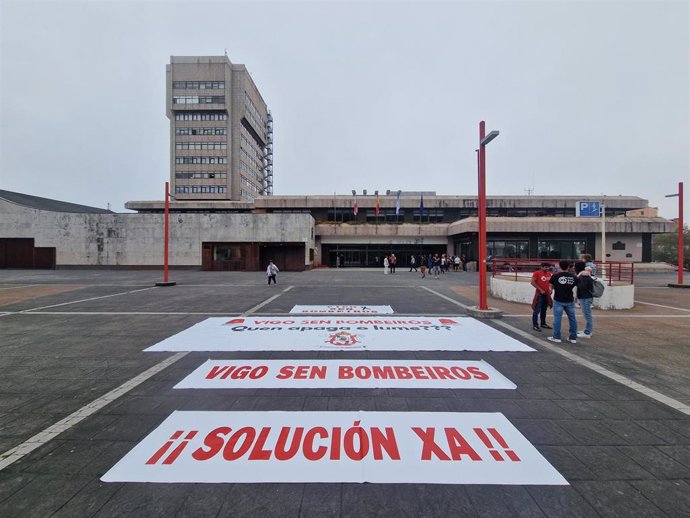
301, 232
221, 132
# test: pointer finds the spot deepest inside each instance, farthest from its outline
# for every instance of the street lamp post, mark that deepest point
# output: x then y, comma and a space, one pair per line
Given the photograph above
681, 245
481, 207
166, 238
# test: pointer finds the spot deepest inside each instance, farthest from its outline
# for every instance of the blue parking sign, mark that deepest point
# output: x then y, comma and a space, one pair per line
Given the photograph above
588, 209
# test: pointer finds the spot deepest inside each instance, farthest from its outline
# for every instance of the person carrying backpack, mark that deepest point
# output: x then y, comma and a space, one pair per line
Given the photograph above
585, 295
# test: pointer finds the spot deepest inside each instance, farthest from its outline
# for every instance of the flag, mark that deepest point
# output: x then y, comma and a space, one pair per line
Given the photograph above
378, 206
355, 206
421, 206
397, 205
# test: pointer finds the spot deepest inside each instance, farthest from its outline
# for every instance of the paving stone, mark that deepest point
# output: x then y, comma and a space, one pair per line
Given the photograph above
617, 499
671, 496
127, 428
68, 457
656, 462
202, 500
420, 404
339, 404
321, 500
609, 463
145, 500
542, 409
647, 410
315, 404
10, 483
591, 432
43, 495
592, 409
88, 501
443, 500
534, 391
503, 501
670, 431
542, 431
379, 500
566, 463
681, 453
561, 501
250, 500
631, 432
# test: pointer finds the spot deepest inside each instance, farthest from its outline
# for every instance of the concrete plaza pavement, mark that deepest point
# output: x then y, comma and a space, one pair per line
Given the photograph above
68, 337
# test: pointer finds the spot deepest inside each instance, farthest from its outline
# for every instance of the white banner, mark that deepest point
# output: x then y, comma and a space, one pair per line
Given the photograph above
379, 447
341, 309
278, 333
269, 374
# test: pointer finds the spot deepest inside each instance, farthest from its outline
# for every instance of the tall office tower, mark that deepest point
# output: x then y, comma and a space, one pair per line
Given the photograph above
221, 132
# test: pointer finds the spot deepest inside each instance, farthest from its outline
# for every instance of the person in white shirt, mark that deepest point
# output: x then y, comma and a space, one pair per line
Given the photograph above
271, 272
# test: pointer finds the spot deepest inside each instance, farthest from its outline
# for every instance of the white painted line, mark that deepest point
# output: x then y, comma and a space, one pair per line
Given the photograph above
13, 455
268, 301
658, 396
87, 300
673, 403
16, 453
661, 306
453, 301
18, 286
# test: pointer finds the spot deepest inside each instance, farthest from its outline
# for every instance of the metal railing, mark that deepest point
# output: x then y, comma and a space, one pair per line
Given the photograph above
619, 272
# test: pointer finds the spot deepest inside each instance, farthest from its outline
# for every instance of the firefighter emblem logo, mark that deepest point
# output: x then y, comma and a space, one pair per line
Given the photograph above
342, 339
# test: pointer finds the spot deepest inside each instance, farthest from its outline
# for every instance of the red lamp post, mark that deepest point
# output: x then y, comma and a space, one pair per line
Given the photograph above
166, 238
481, 207
681, 245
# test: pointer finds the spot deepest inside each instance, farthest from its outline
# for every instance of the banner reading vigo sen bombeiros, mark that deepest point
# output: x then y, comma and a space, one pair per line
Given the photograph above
270, 374
379, 447
341, 333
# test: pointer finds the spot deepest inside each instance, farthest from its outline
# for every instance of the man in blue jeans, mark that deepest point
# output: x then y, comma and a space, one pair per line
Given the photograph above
585, 288
563, 282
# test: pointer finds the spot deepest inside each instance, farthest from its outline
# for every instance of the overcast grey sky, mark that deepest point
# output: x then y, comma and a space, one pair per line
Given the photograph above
589, 97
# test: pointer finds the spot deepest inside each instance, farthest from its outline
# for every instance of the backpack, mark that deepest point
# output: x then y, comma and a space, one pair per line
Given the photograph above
598, 288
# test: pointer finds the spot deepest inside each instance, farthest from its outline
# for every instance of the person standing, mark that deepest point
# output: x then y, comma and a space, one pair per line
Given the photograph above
585, 288
393, 262
587, 258
271, 272
542, 296
563, 282
456, 263
436, 266
413, 263
386, 264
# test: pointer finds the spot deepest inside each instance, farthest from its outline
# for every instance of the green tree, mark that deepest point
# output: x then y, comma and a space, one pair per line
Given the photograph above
665, 247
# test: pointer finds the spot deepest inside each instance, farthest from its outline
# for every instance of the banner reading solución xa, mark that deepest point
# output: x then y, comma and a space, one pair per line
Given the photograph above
379, 447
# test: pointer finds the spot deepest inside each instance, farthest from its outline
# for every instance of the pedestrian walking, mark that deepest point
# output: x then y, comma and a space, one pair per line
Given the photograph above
386, 264
563, 282
271, 272
542, 296
436, 265
585, 290
393, 261
413, 263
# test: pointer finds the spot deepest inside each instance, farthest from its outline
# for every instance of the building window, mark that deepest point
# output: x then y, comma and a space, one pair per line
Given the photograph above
201, 116
201, 160
561, 249
201, 131
201, 145
196, 99
199, 85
